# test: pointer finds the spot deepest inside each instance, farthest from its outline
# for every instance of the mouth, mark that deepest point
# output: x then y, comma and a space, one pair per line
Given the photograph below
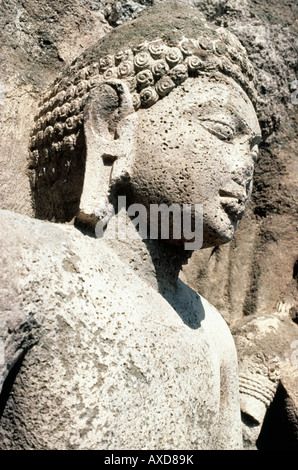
240, 195
234, 200
234, 208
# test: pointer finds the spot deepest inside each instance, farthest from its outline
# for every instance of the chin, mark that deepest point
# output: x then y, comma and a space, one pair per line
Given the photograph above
216, 236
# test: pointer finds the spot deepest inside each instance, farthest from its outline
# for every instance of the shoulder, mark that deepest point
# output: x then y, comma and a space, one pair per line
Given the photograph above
210, 319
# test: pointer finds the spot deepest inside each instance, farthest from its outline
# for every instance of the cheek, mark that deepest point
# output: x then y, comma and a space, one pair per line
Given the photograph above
180, 163
209, 163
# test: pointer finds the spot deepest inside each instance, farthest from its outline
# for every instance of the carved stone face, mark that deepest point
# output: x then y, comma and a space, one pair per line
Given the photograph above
198, 146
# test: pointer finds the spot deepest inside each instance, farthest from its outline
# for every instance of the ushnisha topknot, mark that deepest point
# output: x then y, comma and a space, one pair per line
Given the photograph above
153, 54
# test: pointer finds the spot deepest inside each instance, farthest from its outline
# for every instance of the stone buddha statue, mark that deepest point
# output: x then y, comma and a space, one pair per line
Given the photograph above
125, 355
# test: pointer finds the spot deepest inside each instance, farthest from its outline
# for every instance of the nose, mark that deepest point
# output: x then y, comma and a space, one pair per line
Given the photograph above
242, 164
242, 167
243, 174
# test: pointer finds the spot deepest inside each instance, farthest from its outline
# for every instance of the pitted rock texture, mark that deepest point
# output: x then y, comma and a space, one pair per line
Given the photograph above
154, 59
261, 259
259, 268
268, 379
38, 39
33, 37
113, 364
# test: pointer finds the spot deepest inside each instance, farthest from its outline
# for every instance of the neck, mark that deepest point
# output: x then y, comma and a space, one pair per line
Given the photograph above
156, 262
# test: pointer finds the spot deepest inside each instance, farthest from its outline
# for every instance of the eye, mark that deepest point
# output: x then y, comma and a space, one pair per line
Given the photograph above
220, 130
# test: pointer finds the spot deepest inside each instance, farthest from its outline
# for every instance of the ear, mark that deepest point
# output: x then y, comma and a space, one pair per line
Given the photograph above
109, 126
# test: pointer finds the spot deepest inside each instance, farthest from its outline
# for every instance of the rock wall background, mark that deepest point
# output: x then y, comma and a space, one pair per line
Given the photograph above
38, 39
257, 273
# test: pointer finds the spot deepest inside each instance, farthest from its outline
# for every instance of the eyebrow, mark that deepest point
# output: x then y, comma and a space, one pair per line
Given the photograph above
235, 112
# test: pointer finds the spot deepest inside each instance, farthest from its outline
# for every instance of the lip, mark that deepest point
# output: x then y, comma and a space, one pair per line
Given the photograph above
234, 207
239, 194
233, 200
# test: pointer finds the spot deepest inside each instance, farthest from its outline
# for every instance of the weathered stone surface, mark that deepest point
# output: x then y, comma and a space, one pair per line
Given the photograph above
114, 366
257, 271
38, 39
16, 327
267, 234
205, 137
155, 56
33, 37
267, 350
266, 239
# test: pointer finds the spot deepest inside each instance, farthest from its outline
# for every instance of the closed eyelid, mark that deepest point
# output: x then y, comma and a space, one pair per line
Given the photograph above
220, 118
237, 125
227, 138
228, 116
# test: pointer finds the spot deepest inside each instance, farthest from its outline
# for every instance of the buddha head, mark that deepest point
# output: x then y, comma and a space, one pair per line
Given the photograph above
162, 110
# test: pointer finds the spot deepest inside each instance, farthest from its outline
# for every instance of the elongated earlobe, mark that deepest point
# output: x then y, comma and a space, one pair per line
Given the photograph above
109, 126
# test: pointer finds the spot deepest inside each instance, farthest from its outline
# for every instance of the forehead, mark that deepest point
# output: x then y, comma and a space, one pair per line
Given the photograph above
205, 96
